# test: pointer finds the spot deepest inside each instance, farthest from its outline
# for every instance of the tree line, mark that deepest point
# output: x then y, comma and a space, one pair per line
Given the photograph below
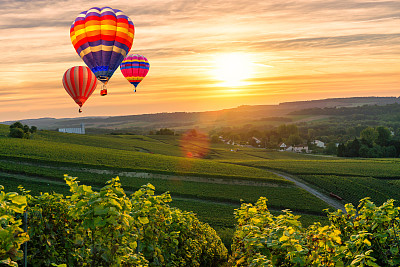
374, 142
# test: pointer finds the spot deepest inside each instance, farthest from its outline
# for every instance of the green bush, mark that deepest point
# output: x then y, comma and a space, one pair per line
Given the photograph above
366, 236
105, 228
171, 237
12, 236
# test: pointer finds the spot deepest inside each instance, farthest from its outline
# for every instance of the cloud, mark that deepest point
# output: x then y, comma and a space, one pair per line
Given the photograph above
299, 45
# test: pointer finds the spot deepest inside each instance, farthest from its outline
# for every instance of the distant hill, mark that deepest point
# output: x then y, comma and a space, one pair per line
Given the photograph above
242, 115
341, 102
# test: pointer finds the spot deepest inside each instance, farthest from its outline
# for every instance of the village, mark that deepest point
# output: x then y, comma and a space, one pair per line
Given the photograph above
256, 142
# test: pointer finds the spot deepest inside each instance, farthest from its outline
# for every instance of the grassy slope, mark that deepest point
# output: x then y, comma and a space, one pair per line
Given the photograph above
122, 159
352, 179
379, 168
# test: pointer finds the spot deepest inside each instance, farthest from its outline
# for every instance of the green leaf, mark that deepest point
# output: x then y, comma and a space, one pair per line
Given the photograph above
100, 210
143, 220
20, 200
99, 222
367, 242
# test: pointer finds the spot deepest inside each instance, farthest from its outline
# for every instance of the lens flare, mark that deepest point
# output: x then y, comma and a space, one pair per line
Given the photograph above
194, 144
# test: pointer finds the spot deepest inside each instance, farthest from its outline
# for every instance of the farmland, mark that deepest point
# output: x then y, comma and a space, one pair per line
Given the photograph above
212, 187
352, 179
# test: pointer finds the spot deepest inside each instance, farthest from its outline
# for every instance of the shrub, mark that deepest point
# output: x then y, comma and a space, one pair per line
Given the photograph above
366, 236
105, 228
12, 236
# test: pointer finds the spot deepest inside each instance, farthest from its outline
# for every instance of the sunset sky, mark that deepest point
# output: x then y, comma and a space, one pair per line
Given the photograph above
204, 55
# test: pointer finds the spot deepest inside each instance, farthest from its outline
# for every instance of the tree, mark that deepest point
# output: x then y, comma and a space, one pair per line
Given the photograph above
16, 125
383, 136
311, 134
353, 148
17, 130
17, 133
33, 129
215, 139
368, 136
165, 131
294, 139
331, 149
364, 151
26, 129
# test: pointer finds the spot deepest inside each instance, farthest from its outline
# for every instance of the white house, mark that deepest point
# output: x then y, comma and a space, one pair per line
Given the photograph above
282, 146
319, 143
298, 149
80, 130
289, 148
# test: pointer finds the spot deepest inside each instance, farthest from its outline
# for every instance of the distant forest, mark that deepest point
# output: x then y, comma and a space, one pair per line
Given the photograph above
365, 131
361, 112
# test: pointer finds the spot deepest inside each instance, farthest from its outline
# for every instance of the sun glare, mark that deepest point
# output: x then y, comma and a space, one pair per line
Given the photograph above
233, 69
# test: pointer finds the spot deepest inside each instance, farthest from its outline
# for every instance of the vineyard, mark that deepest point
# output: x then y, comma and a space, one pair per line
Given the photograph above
378, 168
212, 188
54, 153
352, 179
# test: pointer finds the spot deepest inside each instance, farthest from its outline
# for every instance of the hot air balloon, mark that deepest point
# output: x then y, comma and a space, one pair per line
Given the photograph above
135, 68
102, 37
79, 82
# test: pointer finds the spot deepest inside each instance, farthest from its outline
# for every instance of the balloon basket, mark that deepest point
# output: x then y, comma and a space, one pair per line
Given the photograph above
80, 110
103, 92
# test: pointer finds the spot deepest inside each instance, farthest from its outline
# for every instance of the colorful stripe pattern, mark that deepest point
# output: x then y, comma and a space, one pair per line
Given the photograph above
79, 82
102, 37
135, 68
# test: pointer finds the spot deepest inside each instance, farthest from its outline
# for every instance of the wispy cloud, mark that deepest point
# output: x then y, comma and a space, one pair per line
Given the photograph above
299, 49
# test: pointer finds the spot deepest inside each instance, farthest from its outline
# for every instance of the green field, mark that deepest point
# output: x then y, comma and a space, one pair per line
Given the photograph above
351, 179
378, 168
212, 187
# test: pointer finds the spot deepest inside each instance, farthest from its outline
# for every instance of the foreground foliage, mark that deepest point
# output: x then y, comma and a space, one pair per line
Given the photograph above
366, 236
107, 228
12, 236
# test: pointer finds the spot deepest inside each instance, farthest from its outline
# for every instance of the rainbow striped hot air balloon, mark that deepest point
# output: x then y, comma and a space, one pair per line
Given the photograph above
135, 68
102, 37
79, 82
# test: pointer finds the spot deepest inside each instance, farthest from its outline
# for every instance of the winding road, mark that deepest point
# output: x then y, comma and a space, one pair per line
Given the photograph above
330, 201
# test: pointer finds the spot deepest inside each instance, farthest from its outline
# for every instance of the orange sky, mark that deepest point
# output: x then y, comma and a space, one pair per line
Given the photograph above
288, 50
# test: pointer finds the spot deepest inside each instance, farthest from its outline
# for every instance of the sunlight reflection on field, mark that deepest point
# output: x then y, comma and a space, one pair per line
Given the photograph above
193, 144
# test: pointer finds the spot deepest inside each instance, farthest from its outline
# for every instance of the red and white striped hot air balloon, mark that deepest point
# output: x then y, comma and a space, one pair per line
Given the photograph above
79, 82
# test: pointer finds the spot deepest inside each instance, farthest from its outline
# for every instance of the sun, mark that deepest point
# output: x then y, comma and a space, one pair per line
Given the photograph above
233, 69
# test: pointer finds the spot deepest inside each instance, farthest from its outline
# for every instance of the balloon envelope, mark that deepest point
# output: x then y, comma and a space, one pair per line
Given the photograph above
135, 68
79, 82
102, 37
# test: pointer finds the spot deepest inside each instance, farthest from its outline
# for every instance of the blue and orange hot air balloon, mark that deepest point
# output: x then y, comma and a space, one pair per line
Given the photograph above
135, 68
102, 37
79, 82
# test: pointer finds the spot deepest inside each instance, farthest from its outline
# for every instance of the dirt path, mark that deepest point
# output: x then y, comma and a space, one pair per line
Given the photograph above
330, 201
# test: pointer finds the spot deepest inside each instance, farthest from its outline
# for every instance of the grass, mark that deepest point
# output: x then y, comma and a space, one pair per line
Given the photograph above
54, 152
